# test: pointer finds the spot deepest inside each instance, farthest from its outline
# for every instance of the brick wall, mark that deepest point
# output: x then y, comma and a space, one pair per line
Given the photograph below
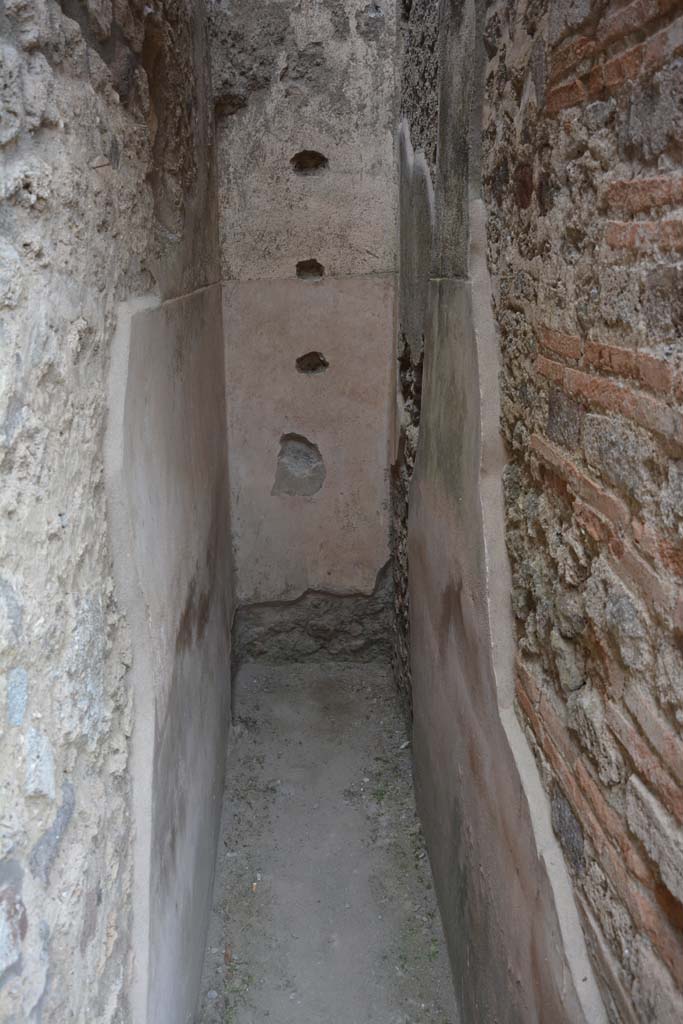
583, 144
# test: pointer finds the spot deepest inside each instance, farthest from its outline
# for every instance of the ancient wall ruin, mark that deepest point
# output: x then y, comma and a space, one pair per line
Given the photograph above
305, 104
183, 245
579, 143
114, 592
583, 243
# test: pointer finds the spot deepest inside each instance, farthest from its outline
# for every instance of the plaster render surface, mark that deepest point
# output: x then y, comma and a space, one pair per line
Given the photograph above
320, 76
336, 538
167, 489
514, 936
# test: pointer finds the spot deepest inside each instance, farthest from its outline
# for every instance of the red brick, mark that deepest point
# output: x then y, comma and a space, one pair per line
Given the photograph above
644, 236
612, 824
653, 372
551, 733
528, 681
626, 21
645, 912
671, 554
637, 406
641, 906
645, 537
555, 728
658, 730
642, 578
581, 484
566, 345
580, 805
678, 387
663, 47
648, 916
615, 72
569, 55
647, 369
622, 68
550, 369
595, 525
528, 710
645, 761
639, 194
566, 96
660, 548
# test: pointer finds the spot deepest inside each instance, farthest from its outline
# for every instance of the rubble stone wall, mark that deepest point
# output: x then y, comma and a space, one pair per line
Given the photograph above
581, 167
583, 185
106, 192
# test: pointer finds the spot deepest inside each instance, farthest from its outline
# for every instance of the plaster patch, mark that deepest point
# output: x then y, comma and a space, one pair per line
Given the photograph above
40, 765
11, 277
46, 849
300, 467
17, 695
12, 923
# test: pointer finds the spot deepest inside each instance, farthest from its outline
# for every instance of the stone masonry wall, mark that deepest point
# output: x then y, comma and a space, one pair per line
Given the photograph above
582, 150
582, 162
419, 77
102, 170
305, 111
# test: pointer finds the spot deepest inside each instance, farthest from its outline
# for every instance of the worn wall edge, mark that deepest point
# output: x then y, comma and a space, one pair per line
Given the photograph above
171, 830
132, 600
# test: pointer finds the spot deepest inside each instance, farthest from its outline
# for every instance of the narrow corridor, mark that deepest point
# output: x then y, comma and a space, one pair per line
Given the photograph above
324, 909
341, 331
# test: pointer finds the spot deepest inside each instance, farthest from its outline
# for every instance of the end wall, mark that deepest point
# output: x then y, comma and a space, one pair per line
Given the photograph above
168, 494
309, 452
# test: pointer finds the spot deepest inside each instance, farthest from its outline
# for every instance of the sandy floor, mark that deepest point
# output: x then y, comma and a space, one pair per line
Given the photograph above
324, 909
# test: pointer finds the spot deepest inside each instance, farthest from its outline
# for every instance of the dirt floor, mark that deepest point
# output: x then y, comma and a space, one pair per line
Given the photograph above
324, 910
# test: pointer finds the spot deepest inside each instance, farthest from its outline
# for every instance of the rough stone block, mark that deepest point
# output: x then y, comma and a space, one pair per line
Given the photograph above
661, 836
564, 419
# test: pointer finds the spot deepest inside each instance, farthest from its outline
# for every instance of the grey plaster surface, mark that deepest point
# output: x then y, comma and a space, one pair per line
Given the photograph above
323, 909
167, 488
333, 534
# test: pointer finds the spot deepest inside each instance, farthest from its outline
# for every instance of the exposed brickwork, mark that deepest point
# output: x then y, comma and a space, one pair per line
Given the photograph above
588, 279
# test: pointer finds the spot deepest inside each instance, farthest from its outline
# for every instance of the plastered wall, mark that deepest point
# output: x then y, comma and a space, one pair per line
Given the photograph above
309, 455
166, 462
514, 937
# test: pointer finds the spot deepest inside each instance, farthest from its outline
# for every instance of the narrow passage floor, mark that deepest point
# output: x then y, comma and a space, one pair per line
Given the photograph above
324, 911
